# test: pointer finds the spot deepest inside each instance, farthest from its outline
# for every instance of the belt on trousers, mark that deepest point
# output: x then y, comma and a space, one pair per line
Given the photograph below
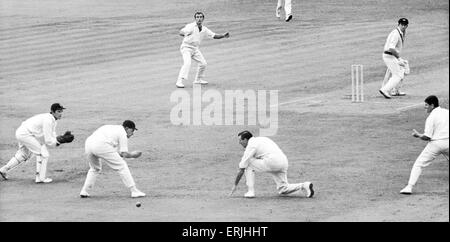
388, 53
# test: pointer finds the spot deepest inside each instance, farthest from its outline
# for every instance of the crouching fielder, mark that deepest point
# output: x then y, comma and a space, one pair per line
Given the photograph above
263, 155
110, 143
34, 136
436, 133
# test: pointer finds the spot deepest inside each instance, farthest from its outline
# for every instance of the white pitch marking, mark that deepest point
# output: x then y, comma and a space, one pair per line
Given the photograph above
413, 105
409, 107
294, 101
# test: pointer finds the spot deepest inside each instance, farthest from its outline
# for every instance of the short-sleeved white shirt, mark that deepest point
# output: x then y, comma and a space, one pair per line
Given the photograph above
42, 126
194, 39
259, 148
436, 125
113, 135
394, 40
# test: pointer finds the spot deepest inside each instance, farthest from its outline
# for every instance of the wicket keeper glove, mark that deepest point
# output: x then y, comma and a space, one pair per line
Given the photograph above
67, 137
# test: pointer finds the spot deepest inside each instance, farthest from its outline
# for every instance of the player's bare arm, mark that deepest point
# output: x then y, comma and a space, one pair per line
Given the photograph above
133, 154
420, 136
236, 181
221, 36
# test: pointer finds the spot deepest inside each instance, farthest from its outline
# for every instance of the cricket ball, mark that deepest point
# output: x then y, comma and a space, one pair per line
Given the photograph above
138, 204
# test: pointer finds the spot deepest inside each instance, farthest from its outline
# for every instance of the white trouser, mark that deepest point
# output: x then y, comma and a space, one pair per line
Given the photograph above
429, 153
194, 54
287, 6
397, 73
95, 151
29, 146
276, 166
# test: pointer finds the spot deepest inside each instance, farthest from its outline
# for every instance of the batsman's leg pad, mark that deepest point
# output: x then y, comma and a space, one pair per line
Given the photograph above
44, 152
43, 172
41, 168
12, 163
21, 156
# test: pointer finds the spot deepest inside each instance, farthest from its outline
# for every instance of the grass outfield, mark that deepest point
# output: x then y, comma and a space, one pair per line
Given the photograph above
107, 61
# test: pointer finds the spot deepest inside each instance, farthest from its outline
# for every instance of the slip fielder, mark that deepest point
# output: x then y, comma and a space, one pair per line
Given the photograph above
263, 155
110, 144
193, 34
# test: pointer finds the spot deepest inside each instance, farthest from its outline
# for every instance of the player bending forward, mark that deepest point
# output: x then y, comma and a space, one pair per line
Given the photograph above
436, 133
110, 143
34, 136
263, 155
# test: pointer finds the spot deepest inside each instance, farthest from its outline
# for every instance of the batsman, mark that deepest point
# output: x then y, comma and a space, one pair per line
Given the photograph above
35, 135
397, 66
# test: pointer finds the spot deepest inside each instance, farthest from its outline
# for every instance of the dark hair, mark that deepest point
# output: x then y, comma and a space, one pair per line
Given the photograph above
245, 134
56, 106
195, 14
129, 124
432, 100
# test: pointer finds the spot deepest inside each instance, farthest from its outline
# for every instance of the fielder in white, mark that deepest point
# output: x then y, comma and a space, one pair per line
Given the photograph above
193, 34
391, 57
110, 143
34, 136
436, 133
287, 9
263, 155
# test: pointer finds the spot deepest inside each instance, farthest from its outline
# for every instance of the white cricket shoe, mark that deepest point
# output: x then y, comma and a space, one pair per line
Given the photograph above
249, 194
407, 190
202, 82
179, 84
278, 12
137, 194
84, 194
3, 174
46, 180
398, 93
308, 186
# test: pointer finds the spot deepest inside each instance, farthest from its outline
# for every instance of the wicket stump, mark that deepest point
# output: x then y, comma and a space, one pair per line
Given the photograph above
357, 83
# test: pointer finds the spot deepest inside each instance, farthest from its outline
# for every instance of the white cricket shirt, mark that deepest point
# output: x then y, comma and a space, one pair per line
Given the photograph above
259, 148
41, 125
113, 135
394, 40
194, 39
436, 125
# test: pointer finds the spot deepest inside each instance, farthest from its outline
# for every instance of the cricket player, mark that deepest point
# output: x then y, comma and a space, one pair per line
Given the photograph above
263, 155
436, 134
193, 34
110, 144
34, 136
395, 64
287, 9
